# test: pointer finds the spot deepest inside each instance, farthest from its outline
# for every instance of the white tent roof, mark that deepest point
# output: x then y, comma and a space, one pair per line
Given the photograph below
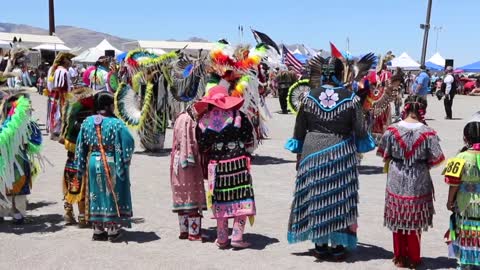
105, 45
31, 38
91, 55
405, 62
52, 47
175, 45
437, 59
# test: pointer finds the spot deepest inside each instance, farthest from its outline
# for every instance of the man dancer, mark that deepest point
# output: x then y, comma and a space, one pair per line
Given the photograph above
450, 89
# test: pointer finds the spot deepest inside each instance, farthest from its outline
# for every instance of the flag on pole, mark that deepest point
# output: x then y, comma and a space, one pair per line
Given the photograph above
335, 52
290, 61
263, 38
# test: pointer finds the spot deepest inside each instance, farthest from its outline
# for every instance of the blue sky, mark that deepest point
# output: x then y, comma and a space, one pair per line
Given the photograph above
370, 25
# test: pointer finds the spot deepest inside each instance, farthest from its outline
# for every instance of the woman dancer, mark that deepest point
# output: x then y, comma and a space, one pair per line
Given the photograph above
103, 152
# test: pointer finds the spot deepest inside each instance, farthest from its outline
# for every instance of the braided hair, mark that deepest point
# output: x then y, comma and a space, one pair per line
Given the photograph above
102, 102
417, 105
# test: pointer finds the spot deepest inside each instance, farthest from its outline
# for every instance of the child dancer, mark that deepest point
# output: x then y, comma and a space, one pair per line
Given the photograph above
410, 149
186, 176
224, 136
462, 173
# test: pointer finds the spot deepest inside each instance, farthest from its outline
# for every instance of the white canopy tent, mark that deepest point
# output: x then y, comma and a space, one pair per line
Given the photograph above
405, 62
52, 47
91, 55
437, 59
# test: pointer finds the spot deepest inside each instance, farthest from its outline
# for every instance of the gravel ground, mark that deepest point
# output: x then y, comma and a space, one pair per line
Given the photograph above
45, 243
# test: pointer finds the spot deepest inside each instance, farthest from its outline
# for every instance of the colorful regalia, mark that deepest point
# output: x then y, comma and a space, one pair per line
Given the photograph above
224, 134
328, 133
409, 150
465, 227
104, 149
77, 108
59, 84
20, 141
186, 177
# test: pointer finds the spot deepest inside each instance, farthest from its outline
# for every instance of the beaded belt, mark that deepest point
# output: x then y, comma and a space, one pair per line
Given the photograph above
470, 187
227, 146
108, 148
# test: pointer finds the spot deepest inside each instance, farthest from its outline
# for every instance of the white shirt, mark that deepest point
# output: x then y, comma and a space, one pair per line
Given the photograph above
448, 80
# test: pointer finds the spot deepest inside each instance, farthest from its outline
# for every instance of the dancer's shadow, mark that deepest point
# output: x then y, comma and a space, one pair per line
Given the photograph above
140, 237
37, 205
49, 223
258, 241
267, 160
363, 253
161, 153
438, 263
369, 170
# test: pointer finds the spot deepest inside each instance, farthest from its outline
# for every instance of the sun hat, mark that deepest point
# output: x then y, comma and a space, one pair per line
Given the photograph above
218, 97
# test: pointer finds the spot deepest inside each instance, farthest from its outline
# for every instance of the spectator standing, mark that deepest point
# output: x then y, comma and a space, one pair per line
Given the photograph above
449, 87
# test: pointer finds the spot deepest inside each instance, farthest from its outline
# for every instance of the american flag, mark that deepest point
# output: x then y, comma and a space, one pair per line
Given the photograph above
290, 61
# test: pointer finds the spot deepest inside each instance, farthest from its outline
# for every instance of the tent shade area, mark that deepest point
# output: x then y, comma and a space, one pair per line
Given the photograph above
473, 67
52, 47
91, 55
405, 62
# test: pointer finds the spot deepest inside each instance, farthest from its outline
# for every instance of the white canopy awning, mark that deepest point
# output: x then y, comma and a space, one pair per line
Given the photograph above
52, 47
405, 62
29, 38
437, 59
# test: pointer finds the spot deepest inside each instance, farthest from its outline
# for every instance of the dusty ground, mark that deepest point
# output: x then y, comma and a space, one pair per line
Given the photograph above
45, 243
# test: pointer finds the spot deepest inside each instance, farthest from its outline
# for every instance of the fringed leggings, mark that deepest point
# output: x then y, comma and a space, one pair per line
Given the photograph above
407, 245
237, 232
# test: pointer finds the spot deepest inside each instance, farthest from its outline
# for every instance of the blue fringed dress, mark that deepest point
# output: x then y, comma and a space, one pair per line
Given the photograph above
329, 130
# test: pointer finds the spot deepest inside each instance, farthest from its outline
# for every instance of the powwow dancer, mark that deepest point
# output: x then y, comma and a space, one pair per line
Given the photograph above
59, 84
77, 109
186, 176
103, 152
99, 76
19, 144
462, 173
329, 130
224, 134
409, 149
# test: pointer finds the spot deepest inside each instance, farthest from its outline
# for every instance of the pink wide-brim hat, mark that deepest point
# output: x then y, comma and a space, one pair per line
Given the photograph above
218, 97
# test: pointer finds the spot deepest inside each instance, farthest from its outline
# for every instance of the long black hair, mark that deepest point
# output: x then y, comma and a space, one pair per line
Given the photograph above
102, 102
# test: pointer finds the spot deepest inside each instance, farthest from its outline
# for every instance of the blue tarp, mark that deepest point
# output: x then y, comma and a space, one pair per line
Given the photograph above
434, 67
300, 57
474, 67
121, 56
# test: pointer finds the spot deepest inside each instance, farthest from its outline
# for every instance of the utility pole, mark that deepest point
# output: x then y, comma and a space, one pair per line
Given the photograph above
51, 17
348, 44
437, 29
426, 27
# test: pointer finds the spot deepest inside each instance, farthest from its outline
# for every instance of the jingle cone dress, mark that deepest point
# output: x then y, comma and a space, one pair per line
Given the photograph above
409, 150
329, 130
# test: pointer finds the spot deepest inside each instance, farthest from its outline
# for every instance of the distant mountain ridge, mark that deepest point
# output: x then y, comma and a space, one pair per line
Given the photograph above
75, 37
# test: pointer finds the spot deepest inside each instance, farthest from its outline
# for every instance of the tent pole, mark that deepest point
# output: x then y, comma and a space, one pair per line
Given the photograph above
426, 27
